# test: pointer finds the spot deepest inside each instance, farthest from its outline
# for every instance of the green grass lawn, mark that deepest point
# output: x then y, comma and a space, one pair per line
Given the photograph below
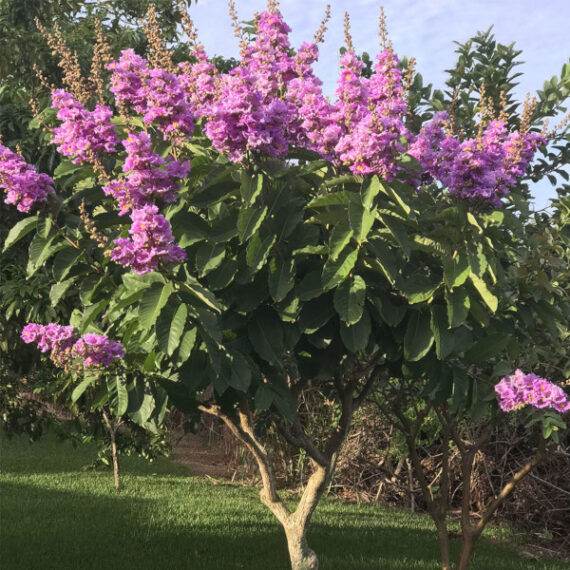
56, 515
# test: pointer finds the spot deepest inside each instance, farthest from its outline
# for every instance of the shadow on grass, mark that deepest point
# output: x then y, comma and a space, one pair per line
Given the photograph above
50, 528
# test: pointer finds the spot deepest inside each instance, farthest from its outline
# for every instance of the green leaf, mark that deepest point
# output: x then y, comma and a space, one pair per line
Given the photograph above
44, 226
395, 196
170, 326
240, 377
486, 348
40, 251
444, 338
477, 259
333, 199
340, 237
79, 390
458, 304
251, 187
64, 261
398, 230
281, 277
64, 168
417, 288
355, 337
418, 338
141, 404
120, 395
152, 302
316, 313
209, 256
370, 189
264, 396
186, 345
189, 228
258, 250
310, 286
336, 271
223, 275
58, 290
90, 313
490, 300
456, 271
249, 220
266, 335
223, 229
349, 299
361, 220
20, 230
207, 297
88, 287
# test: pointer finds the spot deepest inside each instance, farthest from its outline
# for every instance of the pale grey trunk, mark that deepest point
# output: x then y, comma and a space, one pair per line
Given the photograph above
300, 554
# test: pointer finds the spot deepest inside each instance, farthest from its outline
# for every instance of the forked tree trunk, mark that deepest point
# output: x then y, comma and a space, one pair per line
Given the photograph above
300, 555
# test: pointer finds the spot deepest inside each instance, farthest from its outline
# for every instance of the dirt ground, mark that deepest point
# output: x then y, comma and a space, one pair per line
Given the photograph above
201, 458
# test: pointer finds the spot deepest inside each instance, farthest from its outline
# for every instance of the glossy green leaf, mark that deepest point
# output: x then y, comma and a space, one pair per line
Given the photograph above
456, 270
444, 338
170, 326
258, 250
281, 277
361, 220
349, 299
419, 337
458, 304
20, 230
355, 337
334, 272
266, 335
249, 220
152, 302
490, 300
340, 237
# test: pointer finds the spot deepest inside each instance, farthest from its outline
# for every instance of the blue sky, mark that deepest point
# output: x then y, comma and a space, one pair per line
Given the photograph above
424, 29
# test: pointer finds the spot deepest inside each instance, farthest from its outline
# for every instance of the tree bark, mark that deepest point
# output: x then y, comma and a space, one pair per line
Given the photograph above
443, 540
115, 461
112, 428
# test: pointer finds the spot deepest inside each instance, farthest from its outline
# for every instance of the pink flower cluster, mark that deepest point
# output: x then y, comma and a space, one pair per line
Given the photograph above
97, 350
151, 242
148, 175
156, 94
481, 168
24, 186
520, 389
64, 345
82, 134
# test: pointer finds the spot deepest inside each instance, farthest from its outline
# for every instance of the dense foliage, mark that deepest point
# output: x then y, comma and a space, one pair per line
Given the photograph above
227, 239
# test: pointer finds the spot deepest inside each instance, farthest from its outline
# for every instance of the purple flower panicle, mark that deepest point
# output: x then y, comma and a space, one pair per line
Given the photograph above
148, 176
97, 350
64, 345
520, 389
151, 242
480, 168
82, 134
24, 186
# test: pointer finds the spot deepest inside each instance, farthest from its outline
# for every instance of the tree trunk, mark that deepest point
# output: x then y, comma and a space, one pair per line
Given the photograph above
300, 555
113, 427
443, 540
467, 545
115, 461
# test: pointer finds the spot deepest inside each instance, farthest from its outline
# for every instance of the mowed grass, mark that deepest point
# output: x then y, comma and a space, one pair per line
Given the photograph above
56, 515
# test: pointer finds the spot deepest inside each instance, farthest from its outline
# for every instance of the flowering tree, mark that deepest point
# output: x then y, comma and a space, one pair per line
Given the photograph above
231, 239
